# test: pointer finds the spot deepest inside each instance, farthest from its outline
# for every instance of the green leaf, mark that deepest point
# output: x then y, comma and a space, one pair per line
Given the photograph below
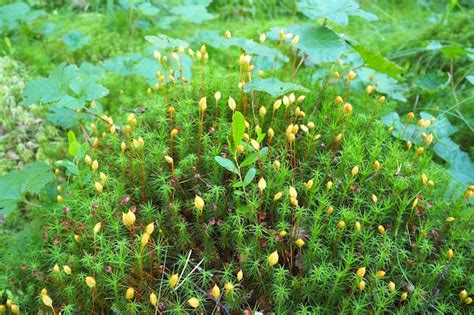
69, 166
335, 10
75, 40
384, 83
238, 128
273, 86
249, 176
453, 51
238, 184
260, 135
461, 168
148, 9
266, 55
227, 164
249, 160
376, 61
65, 118
262, 154
192, 13
74, 146
16, 184
319, 43
12, 15
162, 41
470, 78
67, 87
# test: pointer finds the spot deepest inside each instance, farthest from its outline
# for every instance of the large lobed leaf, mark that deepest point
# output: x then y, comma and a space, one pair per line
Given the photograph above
335, 10
319, 43
11, 15
16, 184
67, 87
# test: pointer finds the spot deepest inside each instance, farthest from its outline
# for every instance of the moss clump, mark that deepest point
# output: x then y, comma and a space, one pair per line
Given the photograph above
296, 204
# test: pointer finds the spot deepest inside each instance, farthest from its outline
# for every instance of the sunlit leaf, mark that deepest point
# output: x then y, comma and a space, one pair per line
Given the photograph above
376, 61
238, 127
453, 51
74, 146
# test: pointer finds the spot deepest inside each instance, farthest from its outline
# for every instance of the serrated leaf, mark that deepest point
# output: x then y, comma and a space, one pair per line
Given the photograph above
376, 61
320, 44
65, 118
67, 87
335, 10
249, 176
16, 184
238, 128
273, 86
123, 65
227, 164
88, 88
42, 88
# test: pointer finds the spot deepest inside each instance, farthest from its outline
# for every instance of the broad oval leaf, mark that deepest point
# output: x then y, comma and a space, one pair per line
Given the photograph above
238, 128
249, 176
227, 164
